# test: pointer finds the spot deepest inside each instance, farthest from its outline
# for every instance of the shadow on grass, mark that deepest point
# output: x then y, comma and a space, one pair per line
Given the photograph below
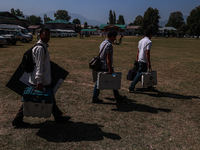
131, 105
157, 93
139, 107
72, 132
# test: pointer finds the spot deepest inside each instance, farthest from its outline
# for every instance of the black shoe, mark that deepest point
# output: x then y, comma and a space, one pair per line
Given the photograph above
98, 101
20, 124
62, 119
131, 90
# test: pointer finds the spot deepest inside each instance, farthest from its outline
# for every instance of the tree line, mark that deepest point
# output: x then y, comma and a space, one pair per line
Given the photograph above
150, 20
176, 20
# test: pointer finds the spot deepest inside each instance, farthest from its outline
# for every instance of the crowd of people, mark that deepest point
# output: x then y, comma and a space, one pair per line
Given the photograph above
41, 78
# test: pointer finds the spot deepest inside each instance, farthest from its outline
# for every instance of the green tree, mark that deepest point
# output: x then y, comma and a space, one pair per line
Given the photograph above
151, 20
175, 20
114, 17
46, 18
138, 21
62, 14
16, 12
34, 20
120, 20
193, 22
76, 21
111, 17
85, 25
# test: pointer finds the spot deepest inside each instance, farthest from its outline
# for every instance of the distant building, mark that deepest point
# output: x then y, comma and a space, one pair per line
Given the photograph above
34, 28
60, 24
132, 30
87, 32
166, 31
8, 18
113, 27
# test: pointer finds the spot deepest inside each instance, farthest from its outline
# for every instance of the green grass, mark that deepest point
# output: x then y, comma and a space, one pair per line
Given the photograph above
164, 119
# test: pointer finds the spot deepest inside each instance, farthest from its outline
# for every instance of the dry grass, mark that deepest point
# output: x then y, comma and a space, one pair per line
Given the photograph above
167, 118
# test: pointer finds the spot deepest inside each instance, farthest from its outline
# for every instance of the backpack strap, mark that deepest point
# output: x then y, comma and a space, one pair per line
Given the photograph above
102, 49
39, 44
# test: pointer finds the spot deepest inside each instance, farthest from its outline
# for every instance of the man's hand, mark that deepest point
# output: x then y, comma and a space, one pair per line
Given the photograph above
40, 87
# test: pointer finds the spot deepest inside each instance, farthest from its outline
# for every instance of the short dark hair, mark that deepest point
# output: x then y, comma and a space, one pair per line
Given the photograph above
44, 29
148, 32
112, 33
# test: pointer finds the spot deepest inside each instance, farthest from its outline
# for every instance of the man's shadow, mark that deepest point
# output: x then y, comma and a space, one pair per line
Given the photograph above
131, 105
157, 93
72, 132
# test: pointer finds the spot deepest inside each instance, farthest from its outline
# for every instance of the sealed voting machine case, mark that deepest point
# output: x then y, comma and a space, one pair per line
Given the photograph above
37, 103
149, 79
109, 81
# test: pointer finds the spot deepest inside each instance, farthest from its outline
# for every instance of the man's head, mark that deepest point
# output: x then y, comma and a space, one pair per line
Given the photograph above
148, 33
45, 35
112, 35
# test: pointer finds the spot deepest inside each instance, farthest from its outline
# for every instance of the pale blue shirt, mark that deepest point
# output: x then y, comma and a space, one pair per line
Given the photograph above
108, 49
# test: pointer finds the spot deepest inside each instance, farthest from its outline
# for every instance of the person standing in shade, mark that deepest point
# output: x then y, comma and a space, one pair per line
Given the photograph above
106, 58
40, 78
143, 58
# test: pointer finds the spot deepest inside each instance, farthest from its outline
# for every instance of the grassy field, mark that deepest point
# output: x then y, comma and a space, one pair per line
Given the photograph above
167, 118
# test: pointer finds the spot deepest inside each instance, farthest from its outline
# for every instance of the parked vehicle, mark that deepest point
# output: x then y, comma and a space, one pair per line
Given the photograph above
19, 36
10, 38
16, 28
2, 41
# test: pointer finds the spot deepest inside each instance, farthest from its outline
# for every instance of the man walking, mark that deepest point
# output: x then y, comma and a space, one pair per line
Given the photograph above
106, 58
143, 58
41, 77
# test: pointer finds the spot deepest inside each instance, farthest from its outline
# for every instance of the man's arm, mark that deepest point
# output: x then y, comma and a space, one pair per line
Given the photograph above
108, 57
148, 58
137, 55
39, 68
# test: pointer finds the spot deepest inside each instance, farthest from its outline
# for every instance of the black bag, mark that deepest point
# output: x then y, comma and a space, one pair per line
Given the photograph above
95, 62
27, 60
133, 72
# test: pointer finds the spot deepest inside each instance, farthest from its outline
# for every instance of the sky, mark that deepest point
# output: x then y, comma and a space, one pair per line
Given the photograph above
99, 9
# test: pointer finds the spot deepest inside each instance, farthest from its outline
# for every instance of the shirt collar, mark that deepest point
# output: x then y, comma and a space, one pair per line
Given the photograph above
40, 41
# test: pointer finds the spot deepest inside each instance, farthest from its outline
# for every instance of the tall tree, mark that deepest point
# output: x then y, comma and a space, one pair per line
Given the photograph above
62, 14
175, 20
76, 21
85, 25
34, 20
151, 20
138, 21
114, 17
120, 20
16, 12
46, 18
193, 22
111, 17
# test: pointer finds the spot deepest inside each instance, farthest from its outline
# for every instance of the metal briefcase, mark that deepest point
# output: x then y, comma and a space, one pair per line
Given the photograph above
109, 81
149, 79
37, 103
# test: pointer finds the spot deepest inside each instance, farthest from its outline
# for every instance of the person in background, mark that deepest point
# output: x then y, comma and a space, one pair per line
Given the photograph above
41, 78
106, 58
143, 58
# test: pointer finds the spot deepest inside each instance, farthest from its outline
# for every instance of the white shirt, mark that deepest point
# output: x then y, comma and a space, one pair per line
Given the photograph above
108, 49
42, 69
144, 45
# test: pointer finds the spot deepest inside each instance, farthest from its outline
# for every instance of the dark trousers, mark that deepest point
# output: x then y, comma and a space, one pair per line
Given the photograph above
142, 68
55, 111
